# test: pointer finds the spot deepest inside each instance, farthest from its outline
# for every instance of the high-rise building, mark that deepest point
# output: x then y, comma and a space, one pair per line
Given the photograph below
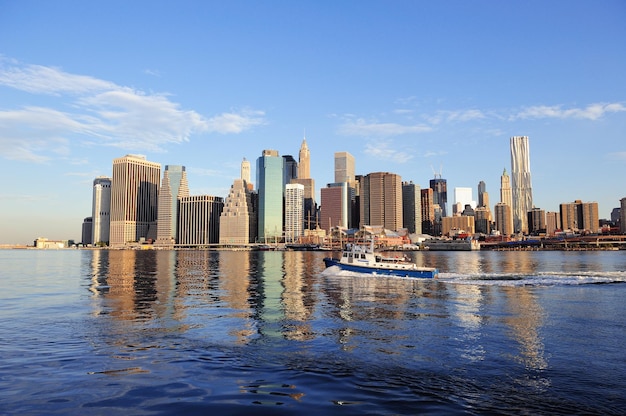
304, 161
580, 216
304, 178
290, 170
238, 218
270, 185
294, 212
482, 220
101, 210
381, 200
245, 172
536, 221
344, 168
134, 197
86, 231
504, 218
334, 211
173, 187
553, 223
428, 211
506, 197
482, 190
412, 207
199, 220
440, 193
521, 183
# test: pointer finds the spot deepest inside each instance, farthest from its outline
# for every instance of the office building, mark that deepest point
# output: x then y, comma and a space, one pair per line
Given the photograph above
454, 225
101, 211
290, 170
506, 197
238, 218
304, 161
504, 218
199, 220
580, 216
173, 187
86, 230
428, 211
412, 207
521, 183
269, 170
462, 196
304, 179
245, 173
294, 212
553, 223
334, 212
482, 220
536, 221
134, 198
344, 168
440, 193
381, 200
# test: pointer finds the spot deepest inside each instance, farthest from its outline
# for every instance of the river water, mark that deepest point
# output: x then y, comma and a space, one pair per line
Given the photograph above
104, 332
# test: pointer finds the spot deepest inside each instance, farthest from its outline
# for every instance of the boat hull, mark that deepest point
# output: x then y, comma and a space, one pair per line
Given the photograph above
419, 273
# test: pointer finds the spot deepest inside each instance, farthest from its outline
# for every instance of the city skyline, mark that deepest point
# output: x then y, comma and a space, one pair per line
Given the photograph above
394, 86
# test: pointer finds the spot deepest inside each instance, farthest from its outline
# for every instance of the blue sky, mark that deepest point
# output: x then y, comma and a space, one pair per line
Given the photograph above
408, 87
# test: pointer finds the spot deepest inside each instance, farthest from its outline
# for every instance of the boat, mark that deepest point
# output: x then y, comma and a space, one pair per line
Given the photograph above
363, 259
459, 244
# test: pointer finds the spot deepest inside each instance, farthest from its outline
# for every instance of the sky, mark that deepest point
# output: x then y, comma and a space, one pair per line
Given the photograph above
416, 88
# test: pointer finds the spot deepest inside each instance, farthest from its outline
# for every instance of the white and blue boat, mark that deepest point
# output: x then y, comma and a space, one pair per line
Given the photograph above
363, 259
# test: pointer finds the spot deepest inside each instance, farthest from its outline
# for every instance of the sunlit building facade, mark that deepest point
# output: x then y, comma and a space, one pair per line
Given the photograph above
101, 211
521, 183
174, 186
270, 185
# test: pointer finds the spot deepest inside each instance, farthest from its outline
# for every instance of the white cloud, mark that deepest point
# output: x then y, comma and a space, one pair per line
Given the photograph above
360, 127
591, 112
383, 149
617, 156
102, 113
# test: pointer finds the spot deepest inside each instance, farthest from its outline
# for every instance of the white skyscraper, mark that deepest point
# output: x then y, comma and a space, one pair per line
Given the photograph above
462, 196
521, 183
294, 212
101, 210
173, 187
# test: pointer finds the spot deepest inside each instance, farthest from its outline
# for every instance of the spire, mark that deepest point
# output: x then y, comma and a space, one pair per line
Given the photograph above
304, 168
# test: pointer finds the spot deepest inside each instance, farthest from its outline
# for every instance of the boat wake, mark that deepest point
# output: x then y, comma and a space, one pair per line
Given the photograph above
505, 279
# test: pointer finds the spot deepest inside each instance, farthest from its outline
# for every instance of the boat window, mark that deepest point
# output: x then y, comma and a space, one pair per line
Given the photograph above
345, 254
363, 256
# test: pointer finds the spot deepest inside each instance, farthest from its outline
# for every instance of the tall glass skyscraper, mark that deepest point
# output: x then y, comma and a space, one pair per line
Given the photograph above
521, 183
269, 171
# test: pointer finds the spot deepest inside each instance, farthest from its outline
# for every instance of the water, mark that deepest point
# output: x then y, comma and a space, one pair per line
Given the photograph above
192, 332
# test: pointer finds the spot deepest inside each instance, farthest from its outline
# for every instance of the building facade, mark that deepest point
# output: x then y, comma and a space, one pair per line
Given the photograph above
412, 207
381, 200
199, 220
101, 211
174, 186
622, 216
504, 218
344, 168
440, 193
334, 211
294, 212
270, 185
428, 211
521, 183
238, 218
134, 198
536, 221
580, 216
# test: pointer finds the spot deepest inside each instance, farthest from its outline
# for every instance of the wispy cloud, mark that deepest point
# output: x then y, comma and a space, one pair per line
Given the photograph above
360, 127
591, 112
99, 112
383, 149
617, 156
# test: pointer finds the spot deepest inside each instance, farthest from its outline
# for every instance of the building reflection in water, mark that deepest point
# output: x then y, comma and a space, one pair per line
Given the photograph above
271, 310
297, 314
234, 278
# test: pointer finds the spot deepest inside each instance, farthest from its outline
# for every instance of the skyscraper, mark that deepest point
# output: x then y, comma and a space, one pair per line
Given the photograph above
199, 220
580, 216
101, 211
411, 207
294, 212
334, 211
173, 187
270, 185
504, 218
304, 178
238, 218
506, 198
245, 171
344, 168
440, 193
290, 169
521, 183
304, 161
134, 194
622, 215
462, 196
381, 200
428, 211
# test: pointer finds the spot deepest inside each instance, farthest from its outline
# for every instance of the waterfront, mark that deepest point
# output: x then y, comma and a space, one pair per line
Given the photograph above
191, 332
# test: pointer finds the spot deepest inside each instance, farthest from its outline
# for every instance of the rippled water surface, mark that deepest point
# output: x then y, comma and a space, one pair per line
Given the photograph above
197, 332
